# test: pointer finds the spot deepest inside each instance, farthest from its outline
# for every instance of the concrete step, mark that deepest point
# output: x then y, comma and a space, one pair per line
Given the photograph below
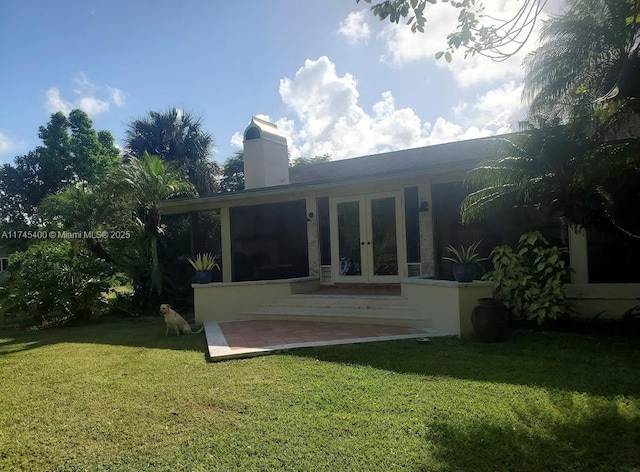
371, 309
344, 310
368, 301
413, 322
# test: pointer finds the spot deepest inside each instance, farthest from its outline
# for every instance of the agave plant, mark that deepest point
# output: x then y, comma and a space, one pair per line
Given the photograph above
465, 255
203, 261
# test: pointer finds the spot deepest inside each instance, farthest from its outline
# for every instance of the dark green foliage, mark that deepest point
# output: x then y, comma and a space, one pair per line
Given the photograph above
72, 152
54, 282
530, 280
577, 179
233, 170
305, 161
233, 173
588, 61
177, 137
147, 181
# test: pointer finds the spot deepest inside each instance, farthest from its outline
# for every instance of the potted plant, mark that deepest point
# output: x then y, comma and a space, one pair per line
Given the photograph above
464, 261
490, 319
204, 264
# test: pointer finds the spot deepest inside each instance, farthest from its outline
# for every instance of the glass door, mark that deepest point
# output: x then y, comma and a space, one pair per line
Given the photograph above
348, 236
368, 241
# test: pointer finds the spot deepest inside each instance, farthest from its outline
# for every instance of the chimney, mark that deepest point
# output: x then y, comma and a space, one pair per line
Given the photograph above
266, 160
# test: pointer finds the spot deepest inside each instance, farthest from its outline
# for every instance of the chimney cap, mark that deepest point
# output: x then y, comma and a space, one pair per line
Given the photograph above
259, 128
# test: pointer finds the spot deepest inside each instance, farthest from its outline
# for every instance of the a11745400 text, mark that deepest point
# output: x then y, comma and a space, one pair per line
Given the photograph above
53, 234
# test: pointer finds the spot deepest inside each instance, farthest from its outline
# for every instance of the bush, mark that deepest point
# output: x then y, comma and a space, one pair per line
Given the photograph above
55, 281
530, 280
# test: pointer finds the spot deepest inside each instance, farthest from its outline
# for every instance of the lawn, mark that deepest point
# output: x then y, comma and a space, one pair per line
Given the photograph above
120, 395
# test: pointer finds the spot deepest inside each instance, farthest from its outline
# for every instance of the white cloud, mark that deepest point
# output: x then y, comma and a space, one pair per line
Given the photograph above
56, 103
355, 28
8, 144
90, 98
403, 47
236, 139
118, 97
329, 118
500, 109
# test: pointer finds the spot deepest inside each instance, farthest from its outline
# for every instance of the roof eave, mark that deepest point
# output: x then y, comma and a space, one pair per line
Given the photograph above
190, 204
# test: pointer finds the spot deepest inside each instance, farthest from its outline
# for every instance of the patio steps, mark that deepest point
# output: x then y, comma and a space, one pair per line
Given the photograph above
370, 309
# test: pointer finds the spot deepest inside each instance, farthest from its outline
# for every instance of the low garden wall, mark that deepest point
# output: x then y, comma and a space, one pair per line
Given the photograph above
602, 300
446, 303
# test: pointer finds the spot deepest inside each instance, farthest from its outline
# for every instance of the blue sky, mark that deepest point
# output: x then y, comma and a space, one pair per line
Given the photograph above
334, 78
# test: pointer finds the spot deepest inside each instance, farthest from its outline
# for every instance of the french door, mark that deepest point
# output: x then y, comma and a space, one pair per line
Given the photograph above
367, 238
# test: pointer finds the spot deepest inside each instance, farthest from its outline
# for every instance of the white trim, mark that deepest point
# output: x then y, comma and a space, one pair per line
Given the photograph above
366, 250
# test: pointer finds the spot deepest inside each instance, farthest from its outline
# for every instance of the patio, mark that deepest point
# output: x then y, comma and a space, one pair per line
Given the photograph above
238, 339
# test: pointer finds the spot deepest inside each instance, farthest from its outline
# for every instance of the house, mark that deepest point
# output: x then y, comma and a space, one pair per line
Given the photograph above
380, 219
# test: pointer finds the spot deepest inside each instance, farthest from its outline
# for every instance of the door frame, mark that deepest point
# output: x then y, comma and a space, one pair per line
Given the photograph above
366, 250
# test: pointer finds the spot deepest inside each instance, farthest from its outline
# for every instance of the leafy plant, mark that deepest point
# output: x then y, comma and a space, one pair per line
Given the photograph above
54, 282
465, 255
530, 280
203, 261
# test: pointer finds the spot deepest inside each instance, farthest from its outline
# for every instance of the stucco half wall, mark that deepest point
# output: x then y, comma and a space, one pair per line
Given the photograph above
446, 303
226, 301
602, 300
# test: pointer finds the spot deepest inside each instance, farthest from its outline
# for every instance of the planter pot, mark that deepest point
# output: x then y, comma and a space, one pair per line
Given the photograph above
203, 276
490, 320
463, 272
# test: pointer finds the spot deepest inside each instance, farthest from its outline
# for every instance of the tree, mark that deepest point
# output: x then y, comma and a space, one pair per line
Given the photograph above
498, 41
233, 173
149, 180
305, 161
233, 170
588, 62
176, 137
72, 151
560, 171
586, 173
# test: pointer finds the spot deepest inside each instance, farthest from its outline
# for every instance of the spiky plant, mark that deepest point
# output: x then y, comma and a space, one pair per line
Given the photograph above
465, 254
204, 261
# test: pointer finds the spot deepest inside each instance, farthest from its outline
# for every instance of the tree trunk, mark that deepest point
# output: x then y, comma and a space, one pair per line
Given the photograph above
156, 277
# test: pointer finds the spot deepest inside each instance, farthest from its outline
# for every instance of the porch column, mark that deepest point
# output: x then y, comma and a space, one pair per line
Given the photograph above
312, 237
425, 223
225, 237
578, 258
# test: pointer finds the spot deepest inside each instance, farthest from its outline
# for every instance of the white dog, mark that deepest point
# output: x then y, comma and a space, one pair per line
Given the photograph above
175, 321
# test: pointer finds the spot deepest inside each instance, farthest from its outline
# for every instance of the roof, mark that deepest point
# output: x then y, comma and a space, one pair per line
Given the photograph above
424, 159
460, 155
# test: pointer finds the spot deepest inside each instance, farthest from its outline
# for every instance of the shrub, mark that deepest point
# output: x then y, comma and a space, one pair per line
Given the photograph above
530, 280
55, 281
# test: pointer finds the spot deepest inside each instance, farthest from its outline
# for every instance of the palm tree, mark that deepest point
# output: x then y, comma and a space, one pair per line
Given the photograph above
150, 180
178, 137
589, 61
558, 170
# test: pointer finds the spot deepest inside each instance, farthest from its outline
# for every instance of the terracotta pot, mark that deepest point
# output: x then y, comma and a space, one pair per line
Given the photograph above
490, 320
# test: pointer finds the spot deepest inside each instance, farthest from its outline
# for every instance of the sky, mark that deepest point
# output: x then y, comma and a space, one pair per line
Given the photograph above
332, 76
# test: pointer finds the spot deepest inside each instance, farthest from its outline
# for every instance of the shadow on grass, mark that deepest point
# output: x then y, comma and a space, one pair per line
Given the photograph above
143, 332
592, 435
565, 362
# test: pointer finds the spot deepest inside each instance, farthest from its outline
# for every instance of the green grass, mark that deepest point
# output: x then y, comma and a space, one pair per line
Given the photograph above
121, 396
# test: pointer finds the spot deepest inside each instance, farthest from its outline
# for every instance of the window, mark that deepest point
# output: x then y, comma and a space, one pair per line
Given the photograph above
252, 133
4, 264
269, 242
